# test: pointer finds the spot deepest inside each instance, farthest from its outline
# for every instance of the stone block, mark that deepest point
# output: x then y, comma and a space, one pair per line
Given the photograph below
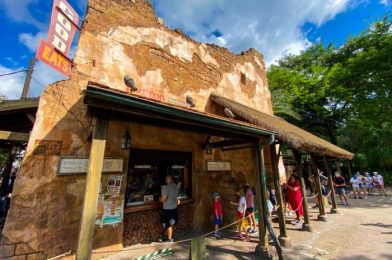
5, 241
7, 250
37, 256
23, 249
18, 257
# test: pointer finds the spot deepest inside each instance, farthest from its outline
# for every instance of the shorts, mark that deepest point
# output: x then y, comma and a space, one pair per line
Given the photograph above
249, 211
217, 221
169, 218
244, 222
356, 189
369, 186
341, 191
361, 186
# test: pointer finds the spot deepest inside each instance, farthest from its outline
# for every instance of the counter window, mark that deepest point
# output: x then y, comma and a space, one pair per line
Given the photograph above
147, 172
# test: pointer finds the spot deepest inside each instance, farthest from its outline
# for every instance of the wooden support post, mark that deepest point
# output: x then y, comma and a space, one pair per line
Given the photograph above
93, 182
331, 187
283, 237
316, 177
261, 188
298, 162
26, 86
349, 169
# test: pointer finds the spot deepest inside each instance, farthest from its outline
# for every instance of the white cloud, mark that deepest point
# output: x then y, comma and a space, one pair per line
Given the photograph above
19, 11
11, 86
385, 2
272, 27
31, 41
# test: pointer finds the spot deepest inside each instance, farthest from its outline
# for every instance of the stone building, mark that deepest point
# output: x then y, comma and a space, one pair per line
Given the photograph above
94, 113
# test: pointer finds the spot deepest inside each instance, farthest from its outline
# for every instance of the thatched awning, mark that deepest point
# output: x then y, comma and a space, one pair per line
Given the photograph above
286, 132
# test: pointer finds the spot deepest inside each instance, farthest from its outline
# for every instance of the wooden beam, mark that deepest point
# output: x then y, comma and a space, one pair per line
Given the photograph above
316, 177
14, 136
93, 182
283, 237
30, 117
260, 197
331, 186
298, 162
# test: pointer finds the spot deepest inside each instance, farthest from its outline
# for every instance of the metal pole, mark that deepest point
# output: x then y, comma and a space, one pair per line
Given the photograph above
331, 187
26, 86
283, 238
316, 177
298, 162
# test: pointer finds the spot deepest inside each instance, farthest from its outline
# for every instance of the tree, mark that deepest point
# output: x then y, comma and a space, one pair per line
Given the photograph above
343, 93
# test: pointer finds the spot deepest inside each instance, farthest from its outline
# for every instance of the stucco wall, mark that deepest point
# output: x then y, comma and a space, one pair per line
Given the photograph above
124, 38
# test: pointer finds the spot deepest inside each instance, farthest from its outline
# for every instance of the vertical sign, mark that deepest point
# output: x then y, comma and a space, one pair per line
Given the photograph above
62, 26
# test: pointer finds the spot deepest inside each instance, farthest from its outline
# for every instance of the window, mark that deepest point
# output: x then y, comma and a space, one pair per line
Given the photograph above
147, 172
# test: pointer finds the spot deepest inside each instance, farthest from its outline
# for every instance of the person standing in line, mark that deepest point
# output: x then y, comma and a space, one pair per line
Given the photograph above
340, 185
294, 197
361, 185
218, 214
169, 213
379, 182
355, 184
369, 183
241, 211
250, 205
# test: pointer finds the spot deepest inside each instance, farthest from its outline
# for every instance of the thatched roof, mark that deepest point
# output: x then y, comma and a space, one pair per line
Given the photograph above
286, 132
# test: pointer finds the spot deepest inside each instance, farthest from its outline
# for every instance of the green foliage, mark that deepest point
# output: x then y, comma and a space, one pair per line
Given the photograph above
342, 94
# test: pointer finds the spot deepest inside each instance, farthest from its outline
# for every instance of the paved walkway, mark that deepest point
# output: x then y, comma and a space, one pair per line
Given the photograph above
361, 231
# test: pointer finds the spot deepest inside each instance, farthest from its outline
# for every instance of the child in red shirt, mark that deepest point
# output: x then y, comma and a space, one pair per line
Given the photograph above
217, 213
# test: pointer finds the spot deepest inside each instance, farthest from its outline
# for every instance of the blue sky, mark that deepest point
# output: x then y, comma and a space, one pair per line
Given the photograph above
275, 28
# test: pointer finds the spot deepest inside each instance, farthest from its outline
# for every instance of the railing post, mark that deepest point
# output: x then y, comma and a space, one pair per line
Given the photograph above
283, 237
331, 186
298, 162
316, 177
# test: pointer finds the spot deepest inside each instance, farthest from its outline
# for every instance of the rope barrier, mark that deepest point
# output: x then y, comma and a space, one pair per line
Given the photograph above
62, 255
176, 242
300, 205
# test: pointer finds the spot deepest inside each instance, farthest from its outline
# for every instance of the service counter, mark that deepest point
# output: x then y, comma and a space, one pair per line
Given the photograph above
142, 222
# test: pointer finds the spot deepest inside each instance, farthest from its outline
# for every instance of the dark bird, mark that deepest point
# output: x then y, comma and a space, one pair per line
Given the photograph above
130, 83
189, 101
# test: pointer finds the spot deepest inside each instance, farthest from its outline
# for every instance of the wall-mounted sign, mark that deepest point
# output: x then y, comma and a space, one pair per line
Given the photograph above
75, 166
218, 166
46, 147
53, 58
63, 25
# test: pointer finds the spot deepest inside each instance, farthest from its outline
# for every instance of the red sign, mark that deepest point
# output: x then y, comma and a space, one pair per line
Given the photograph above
63, 25
53, 58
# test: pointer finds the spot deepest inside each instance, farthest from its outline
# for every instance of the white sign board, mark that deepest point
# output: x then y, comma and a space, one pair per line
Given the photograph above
71, 166
218, 166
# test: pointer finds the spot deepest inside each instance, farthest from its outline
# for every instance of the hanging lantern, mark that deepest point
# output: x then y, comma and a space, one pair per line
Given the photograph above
126, 141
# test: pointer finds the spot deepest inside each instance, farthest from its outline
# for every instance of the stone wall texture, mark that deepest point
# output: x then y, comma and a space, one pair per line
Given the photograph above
118, 38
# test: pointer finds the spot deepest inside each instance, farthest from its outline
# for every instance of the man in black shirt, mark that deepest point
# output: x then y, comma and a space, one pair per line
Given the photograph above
340, 185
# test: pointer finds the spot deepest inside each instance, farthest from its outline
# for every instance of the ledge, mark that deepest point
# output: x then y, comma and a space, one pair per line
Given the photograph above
154, 205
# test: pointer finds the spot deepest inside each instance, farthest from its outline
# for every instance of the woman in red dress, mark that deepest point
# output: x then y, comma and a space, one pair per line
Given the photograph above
294, 198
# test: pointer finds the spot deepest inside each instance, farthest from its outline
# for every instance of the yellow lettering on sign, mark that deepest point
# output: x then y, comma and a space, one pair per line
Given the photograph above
46, 52
65, 65
53, 58
60, 61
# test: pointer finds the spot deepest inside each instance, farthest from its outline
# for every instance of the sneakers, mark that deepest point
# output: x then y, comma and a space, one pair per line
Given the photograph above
360, 197
251, 231
169, 241
217, 235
